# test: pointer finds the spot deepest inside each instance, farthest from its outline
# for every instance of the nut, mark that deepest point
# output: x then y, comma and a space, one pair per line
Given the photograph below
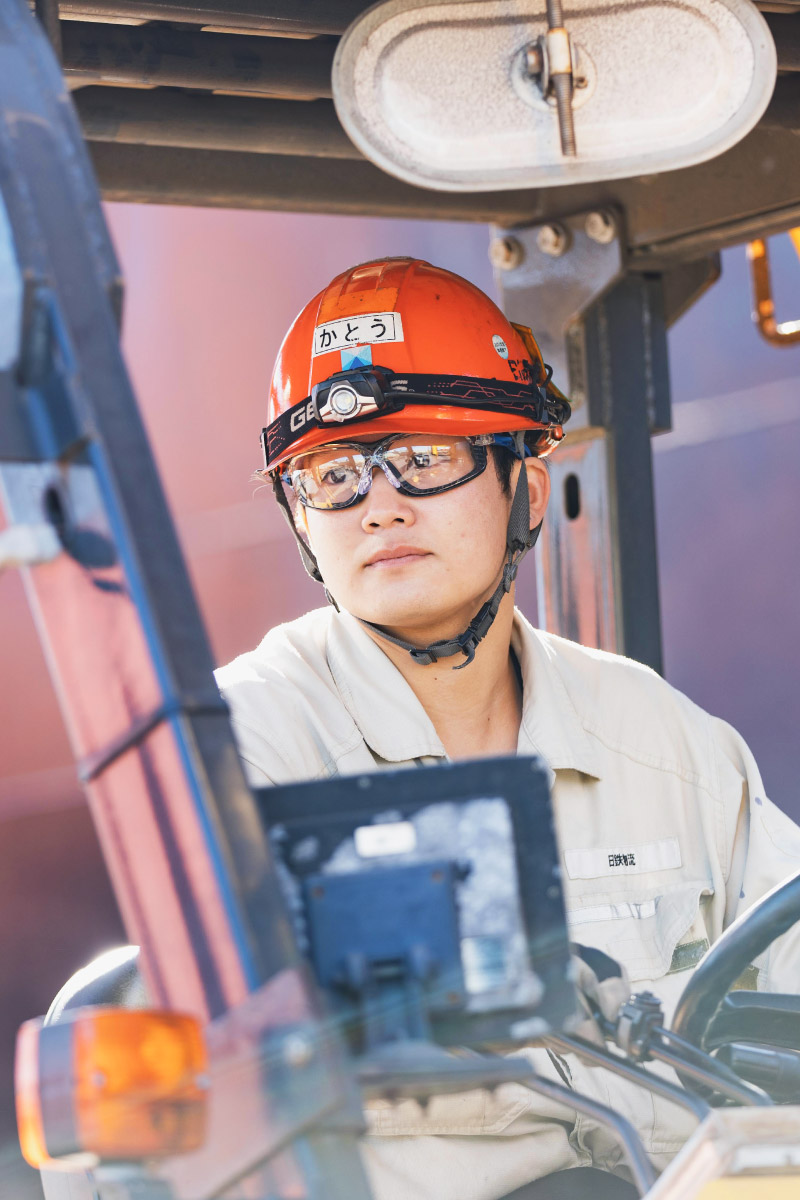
506, 253
553, 240
534, 59
601, 227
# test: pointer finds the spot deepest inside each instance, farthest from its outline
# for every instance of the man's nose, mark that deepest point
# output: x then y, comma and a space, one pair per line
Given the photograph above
383, 506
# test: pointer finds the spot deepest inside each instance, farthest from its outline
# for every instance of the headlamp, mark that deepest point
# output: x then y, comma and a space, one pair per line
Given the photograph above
343, 403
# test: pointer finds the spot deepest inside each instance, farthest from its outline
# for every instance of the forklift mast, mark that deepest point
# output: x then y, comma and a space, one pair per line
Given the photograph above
188, 858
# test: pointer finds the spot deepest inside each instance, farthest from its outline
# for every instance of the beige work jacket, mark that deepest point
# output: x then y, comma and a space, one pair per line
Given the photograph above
666, 835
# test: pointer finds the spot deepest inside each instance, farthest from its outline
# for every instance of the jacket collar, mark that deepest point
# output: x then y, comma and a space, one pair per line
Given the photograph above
396, 727
551, 725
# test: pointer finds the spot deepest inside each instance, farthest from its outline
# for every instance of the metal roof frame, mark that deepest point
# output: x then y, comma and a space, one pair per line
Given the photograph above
228, 105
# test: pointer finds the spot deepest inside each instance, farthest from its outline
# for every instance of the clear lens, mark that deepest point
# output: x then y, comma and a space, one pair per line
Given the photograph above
425, 463
330, 476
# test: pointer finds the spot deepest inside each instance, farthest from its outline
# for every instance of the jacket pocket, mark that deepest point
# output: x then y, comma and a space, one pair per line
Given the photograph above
650, 935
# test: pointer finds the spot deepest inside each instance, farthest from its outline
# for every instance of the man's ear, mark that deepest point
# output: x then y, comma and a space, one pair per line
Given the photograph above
538, 488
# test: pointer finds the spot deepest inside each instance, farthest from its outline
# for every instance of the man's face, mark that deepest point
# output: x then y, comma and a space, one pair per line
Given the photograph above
419, 563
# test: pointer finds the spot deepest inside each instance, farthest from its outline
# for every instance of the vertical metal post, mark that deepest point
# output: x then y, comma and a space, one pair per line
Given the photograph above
604, 333
628, 394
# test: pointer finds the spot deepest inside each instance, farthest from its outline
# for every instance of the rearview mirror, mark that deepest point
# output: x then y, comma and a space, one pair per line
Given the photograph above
460, 95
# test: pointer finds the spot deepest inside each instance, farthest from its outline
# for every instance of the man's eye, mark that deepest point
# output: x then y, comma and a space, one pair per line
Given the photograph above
420, 461
333, 476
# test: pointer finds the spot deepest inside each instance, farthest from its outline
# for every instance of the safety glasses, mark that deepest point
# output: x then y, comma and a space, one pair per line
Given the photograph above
340, 474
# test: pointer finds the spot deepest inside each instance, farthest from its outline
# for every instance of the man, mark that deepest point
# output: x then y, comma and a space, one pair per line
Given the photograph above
408, 423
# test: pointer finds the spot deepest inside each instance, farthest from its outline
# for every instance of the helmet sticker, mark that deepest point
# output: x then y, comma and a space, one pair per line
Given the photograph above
521, 370
500, 346
359, 356
351, 331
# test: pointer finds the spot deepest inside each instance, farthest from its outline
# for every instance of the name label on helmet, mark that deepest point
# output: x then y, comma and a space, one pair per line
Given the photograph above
355, 331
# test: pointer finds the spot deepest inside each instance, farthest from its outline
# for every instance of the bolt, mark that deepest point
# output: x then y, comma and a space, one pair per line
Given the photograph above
297, 1050
562, 89
506, 253
601, 227
553, 240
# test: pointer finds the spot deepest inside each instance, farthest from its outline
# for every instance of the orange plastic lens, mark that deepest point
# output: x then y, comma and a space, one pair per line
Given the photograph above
26, 1087
138, 1086
134, 1088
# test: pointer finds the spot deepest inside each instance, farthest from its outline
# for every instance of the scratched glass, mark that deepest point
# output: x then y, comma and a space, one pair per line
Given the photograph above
339, 475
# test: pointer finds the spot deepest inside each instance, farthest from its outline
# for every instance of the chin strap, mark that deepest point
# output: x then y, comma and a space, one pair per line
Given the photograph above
519, 539
306, 553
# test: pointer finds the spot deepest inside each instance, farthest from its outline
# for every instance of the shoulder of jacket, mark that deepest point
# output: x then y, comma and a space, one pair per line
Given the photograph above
590, 664
285, 707
290, 651
631, 709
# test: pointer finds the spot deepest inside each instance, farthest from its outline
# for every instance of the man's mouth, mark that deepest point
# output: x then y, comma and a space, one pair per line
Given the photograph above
396, 556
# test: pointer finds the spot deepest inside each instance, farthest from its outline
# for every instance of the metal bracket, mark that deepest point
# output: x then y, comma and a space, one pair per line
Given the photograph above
552, 60
603, 332
549, 275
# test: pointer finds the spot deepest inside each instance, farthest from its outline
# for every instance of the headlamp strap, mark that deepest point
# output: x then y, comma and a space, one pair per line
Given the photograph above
379, 392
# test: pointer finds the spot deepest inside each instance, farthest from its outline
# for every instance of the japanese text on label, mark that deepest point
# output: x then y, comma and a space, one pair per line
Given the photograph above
354, 331
622, 860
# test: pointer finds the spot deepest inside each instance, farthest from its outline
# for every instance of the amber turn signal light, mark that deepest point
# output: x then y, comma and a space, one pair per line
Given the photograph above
110, 1084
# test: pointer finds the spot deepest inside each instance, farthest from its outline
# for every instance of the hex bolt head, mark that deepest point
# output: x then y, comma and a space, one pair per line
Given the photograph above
298, 1050
601, 227
553, 240
506, 253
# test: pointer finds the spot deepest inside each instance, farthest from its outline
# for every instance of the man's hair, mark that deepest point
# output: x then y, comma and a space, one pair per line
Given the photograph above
503, 465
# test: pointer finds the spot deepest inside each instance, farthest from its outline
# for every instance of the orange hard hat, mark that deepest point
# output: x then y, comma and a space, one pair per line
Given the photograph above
400, 345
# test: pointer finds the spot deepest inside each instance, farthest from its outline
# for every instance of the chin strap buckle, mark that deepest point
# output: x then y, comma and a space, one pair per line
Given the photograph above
510, 574
468, 644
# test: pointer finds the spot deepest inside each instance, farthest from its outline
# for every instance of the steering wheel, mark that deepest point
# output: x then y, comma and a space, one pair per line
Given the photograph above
708, 1016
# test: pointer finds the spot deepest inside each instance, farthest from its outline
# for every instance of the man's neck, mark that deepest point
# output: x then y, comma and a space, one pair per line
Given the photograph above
476, 711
